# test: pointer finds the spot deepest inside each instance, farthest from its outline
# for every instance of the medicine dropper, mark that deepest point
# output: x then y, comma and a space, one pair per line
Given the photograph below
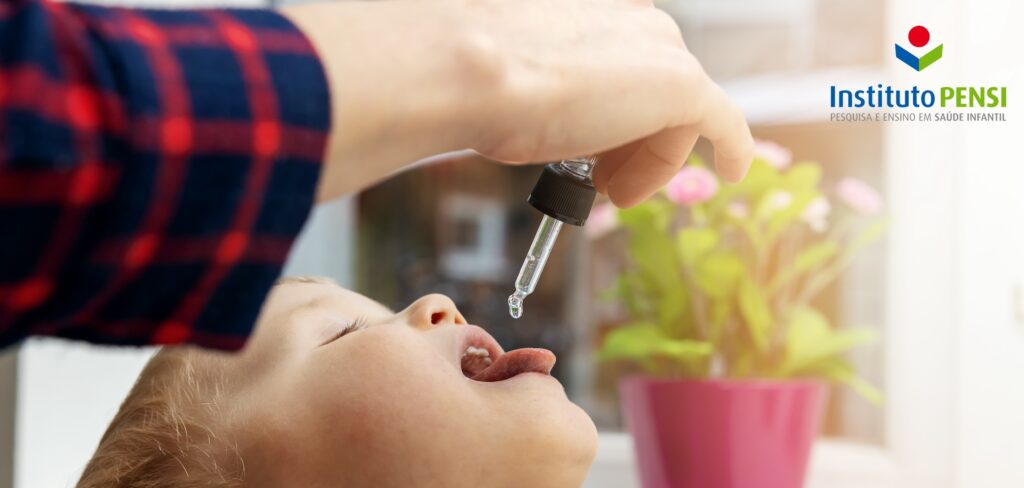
564, 194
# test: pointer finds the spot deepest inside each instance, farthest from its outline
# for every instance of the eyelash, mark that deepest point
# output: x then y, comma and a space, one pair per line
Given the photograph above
358, 323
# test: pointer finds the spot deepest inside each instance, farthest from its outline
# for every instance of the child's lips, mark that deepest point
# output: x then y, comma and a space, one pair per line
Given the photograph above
482, 359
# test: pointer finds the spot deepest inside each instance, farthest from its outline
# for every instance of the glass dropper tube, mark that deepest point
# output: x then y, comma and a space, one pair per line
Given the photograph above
547, 233
533, 265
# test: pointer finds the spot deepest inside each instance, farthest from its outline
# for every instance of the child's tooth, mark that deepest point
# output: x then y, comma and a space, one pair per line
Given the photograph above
477, 351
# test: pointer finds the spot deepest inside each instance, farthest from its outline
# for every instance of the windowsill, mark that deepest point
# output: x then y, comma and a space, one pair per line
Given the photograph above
834, 464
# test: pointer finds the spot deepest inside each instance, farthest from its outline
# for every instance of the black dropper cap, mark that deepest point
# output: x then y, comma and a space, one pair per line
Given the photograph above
563, 195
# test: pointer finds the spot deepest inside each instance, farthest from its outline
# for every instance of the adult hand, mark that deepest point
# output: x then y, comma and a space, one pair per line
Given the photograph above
520, 81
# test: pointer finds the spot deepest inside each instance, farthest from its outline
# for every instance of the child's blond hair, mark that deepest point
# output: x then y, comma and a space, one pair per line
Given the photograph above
162, 435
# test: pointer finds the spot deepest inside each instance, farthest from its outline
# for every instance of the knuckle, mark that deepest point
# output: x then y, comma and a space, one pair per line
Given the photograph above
694, 71
666, 26
479, 61
688, 70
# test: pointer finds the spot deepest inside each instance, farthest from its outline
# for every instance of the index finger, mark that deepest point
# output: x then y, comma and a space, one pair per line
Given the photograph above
723, 123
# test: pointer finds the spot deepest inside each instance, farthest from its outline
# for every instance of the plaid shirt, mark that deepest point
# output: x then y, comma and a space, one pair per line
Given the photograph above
155, 167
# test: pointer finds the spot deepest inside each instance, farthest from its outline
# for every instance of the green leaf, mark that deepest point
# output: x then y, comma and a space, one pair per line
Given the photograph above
672, 308
870, 234
695, 160
812, 257
800, 182
751, 230
815, 255
718, 273
802, 177
629, 290
743, 364
719, 312
780, 219
695, 243
650, 216
810, 341
757, 314
651, 247
654, 255
642, 341
760, 178
841, 372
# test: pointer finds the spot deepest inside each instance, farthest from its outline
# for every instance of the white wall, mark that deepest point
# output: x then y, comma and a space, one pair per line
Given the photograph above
968, 180
67, 393
326, 246
990, 428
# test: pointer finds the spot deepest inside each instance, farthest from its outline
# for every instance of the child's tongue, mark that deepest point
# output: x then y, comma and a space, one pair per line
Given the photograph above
512, 363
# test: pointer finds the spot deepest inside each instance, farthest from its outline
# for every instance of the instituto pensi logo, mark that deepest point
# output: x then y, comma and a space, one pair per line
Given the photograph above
969, 100
919, 37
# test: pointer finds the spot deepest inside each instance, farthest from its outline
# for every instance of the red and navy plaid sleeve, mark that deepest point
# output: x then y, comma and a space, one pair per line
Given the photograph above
155, 167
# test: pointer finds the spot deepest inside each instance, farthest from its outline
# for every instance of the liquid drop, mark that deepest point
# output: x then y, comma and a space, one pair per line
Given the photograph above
515, 305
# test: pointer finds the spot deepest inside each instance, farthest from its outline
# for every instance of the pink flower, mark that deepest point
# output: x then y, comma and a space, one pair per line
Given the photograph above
816, 214
737, 210
859, 196
777, 200
775, 155
603, 219
693, 184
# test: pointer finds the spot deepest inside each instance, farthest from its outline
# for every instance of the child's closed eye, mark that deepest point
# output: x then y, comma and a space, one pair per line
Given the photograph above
358, 323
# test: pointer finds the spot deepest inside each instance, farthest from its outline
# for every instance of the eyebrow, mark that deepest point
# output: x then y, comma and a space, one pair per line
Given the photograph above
319, 280
382, 306
323, 280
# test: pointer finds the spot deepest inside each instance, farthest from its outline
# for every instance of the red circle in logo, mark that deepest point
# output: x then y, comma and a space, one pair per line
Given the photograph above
918, 36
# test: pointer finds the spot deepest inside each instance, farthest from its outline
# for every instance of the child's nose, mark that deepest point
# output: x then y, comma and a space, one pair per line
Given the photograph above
433, 311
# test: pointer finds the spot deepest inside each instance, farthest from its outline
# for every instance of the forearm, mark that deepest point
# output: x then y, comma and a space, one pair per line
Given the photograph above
408, 80
154, 168
519, 81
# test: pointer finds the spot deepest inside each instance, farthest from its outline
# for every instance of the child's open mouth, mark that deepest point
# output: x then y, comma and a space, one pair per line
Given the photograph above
483, 359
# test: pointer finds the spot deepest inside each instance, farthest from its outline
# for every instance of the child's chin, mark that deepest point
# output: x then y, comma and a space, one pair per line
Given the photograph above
568, 437
542, 400
587, 434
570, 425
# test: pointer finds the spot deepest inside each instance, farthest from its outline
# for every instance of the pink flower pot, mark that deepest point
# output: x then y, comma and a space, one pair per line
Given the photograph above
721, 433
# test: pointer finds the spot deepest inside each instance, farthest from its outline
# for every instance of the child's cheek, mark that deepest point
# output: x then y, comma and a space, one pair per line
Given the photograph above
392, 371
394, 396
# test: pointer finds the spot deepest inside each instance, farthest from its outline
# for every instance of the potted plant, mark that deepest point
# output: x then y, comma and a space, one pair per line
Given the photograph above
719, 290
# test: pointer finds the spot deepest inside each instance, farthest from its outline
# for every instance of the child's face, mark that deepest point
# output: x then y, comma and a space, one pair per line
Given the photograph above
389, 404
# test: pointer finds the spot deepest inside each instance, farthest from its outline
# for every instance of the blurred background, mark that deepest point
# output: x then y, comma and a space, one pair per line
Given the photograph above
942, 288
